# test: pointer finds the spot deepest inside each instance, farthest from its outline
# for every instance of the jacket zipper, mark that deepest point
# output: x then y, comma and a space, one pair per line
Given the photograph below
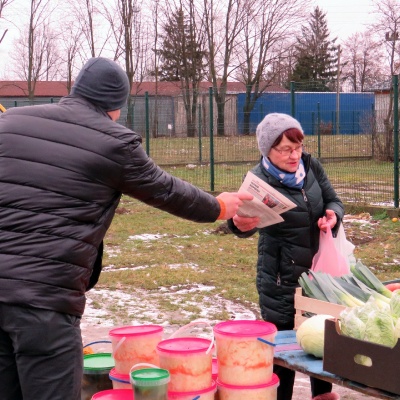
303, 192
304, 196
278, 279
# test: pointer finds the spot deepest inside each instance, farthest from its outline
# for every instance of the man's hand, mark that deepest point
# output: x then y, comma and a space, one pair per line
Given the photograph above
230, 202
329, 219
245, 224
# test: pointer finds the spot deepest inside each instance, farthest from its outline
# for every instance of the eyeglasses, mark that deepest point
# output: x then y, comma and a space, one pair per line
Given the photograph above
287, 151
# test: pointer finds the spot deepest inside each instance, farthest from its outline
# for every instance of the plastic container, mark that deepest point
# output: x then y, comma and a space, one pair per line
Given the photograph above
114, 394
214, 369
120, 381
96, 368
266, 391
243, 359
189, 361
150, 383
135, 344
205, 394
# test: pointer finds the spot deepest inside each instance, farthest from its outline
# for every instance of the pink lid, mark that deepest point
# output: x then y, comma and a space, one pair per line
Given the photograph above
214, 368
118, 377
212, 388
184, 345
114, 394
245, 328
273, 382
136, 330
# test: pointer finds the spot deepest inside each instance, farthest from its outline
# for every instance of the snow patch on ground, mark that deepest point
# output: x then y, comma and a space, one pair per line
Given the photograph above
116, 307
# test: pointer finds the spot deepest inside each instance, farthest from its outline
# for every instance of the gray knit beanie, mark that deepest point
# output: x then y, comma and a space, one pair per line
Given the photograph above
269, 129
104, 83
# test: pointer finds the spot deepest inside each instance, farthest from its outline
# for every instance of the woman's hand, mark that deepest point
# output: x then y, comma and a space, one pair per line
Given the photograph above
329, 219
245, 224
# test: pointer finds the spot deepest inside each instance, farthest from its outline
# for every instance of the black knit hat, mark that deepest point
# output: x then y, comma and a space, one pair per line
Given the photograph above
104, 83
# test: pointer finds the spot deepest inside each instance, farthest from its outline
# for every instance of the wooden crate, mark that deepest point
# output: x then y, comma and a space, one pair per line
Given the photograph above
305, 304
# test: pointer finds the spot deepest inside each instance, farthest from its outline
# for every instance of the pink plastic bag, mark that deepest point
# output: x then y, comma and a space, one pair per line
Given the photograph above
328, 258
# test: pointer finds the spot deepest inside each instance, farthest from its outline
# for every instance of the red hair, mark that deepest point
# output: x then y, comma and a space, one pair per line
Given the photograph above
293, 134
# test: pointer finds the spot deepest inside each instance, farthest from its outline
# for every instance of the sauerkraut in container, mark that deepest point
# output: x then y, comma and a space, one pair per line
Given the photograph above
244, 359
135, 344
188, 361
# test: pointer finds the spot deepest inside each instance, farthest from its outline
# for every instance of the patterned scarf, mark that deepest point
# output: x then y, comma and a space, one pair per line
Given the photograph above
289, 179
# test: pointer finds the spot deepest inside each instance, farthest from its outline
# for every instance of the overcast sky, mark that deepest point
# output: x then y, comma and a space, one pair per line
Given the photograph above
344, 18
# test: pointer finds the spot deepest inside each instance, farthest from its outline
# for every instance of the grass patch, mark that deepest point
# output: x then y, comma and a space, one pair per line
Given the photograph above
187, 255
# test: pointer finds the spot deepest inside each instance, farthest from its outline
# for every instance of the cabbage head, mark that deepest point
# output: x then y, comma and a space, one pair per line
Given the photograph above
350, 324
380, 329
310, 335
397, 328
395, 304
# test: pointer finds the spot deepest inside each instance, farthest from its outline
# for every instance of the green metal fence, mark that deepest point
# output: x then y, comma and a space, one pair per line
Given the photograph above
362, 167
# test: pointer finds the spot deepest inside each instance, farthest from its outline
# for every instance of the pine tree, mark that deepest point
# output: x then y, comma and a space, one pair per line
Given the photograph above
181, 55
183, 60
316, 66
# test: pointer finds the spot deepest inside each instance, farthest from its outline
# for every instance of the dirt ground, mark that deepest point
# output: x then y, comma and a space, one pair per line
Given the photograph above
93, 333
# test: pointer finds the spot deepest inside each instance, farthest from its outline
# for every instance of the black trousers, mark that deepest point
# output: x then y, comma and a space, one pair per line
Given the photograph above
286, 382
41, 354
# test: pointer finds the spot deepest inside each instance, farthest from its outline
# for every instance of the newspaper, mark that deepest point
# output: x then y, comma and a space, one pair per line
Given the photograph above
267, 203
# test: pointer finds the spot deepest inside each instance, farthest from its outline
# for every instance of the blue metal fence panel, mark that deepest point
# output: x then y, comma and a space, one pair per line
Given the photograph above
267, 103
356, 111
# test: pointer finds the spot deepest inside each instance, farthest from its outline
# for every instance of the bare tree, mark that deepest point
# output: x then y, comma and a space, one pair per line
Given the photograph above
95, 31
156, 60
281, 68
36, 52
223, 23
361, 60
261, 43
387, 29
70, 41
3, 4
130, 36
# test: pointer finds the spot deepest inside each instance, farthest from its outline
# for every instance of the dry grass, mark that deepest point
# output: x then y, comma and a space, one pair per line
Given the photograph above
187, 255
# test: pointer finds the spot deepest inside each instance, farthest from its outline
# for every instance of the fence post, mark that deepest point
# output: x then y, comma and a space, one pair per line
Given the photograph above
212, 176
132, 109
200, 128
373, 130
292, 99
395, 80
319, 129
146, 103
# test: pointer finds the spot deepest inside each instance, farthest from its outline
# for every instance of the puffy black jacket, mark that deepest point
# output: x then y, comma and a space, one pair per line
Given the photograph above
286, 250
63, 168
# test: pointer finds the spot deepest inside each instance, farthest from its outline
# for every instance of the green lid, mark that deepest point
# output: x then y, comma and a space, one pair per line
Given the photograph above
150, 377
98, 363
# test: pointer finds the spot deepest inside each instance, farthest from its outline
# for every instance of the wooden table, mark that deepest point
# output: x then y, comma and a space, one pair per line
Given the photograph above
289, 354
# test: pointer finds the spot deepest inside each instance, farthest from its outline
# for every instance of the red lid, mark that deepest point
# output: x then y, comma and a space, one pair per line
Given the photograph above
114, 394
273, 382
245, 328
211, 389
136, 330
118, 377
184, 345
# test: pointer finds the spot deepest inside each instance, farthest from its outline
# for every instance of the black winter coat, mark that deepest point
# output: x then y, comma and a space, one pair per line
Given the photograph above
63, 168
286, 250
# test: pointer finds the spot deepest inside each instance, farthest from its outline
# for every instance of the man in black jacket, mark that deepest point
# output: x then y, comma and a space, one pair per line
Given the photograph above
63, 169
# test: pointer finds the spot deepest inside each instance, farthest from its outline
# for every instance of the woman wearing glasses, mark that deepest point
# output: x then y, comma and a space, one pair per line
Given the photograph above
286, 250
